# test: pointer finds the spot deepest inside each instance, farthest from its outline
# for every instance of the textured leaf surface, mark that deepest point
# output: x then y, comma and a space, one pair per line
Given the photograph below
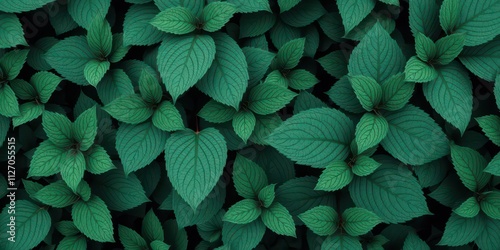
367, 90
266, 99
245, 237
93, 219
359, 221
249, 178
11, 31
243, 212
460, 231
322, 220
85, 11
479, 20
424, 17
278, 219
483, 60
336, 176
353, 12
418, 71
137, 29
176, 20
469, 165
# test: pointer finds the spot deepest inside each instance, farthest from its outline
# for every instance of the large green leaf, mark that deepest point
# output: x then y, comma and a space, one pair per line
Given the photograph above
244, 6
494, 166
489, 124
449, 47
343, 95
377, 56
460, 231
183, 60
32, 224
390, 192
396, 92
483, 60
227, 79
322, 220
93, 219
203, 157
167, 118
490, 204
487, 238
216, 112
418, 71
353, 12
424, 47
413, 137
138, 145
290, 53
130, 239
85, 128
450, 94
479, 21
58, 129
12, 62
99, 37
73, 168
114, 84
47, 160
137, 29
45, 83
85, 11
258, 61
469, 165
305, 13
11, 31
98, 160
286, 5
314, 137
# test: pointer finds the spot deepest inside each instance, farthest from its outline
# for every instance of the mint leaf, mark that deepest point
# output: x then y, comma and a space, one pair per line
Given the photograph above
216, 112
494, 166
413, 137
449, 47
85, 11
176, 20
290, 53
29, 111
301, 79
58, 128
11, 31
304, 13
249, 178
396, 92
9, 106
335, 63
305, 101
138, 145
4, 128
478, 21
278, 219
412, 241
490, 204
244, 124
343, 95
130, 239
468, 209
243, 212
286, 5
23, 89
341, 241
245, 236
336, 176
425, 47
12, 62
137, 29
95, 70
322, 220
11, 6
227, 78
56, 194
100, 38
256, 24
353, 13
97, 160
367, 90
183, 60
93, 219
460, 231
216, 14
418, 71
244, 6
364, 165
486, 239
47, 160
131, 109
424, 17
151, 227
114, 84
267, 98
167, 118
197, 172
449, 15
328, 140
489, 124
72, 168
359, 221
258, 61
267, 195
45, 83
469, 165
85, 128
482, 60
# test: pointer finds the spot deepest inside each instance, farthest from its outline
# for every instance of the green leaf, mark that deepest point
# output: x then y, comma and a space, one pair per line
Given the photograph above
67, 228
12, 6
267, 98
99, 37
391, 192
9, 106
290, 53
203, 158
243, 212
216, 14
490, 204
256, 24
33, 223
267, 195
336, 176
322, 220
487, 239
167, 118
11, 31
414, 137
58, 128
85, 11
364, 166
150, 88
343, 95
449, 14
396, 92
114, 84
29, 111
314, 137
489, 124
244, 124
276, 77
367, 90
424, 17
244, 237
418, 71
304, 13
56, 194
432, 173
335, 63
389, 59
460, 231
131, 109
425, 47
359, 221
45, 83
137, 29
23, 89
93, 219
95, 70
159, 245
130, 239
244, 6
353, 13
283, 33
413, 242
216, 112
341, 241
12, 62
278, 219
47, 159
183, 60
177, 20
227, 78
479, 21
449, 47
151, 227
494, 166
85, 128
468, 209
469, 165
258, 61
301, 79
249, 178
286, 5
69, 57
72, 168
97, 160
483, 60
138, 145
306, 101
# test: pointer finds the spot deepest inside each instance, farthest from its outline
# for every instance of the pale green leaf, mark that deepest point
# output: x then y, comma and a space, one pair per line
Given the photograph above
418, 71
278, 219
367, 90
167, 118
359, 221
336, 176
243, 212
95, 70
93, 219
322, 220
216, 14
267, 98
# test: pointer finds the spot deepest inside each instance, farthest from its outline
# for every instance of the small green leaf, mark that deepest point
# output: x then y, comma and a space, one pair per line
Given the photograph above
67, 228
216, 14
341, 241
239, 236
418, 71
97, 160
150, 88
29, 111
99, 37
322, 220
56, 194
469, 208
482, 60
413, 242
151, 227
244, 6
490, 124
343, 95
359, 221
167, 118
304, 13
58, 128
93, 219
301, 79
216, 112
177, 20
354, 12
45, 83
12, 62
460, 231
131, 109
249, 178
11, 31
258, 61
469, 165
367, 90
266, 195
137, 29
244, 124
449, 15
493, 166
47, 160
425, 47
8, 102
243, 212
449, 47
85, 11
370, 131
490, 204
478, 21
23, 89
95, 70
336, 176
266, 98
278, 219
486, 239
72, 168
286, 5
85, 128
159, 245
130, 239
396, 92
290, 53
365, 166
424, 17
335, 63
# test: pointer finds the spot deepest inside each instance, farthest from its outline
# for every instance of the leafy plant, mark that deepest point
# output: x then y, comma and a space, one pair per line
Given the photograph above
263, 124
